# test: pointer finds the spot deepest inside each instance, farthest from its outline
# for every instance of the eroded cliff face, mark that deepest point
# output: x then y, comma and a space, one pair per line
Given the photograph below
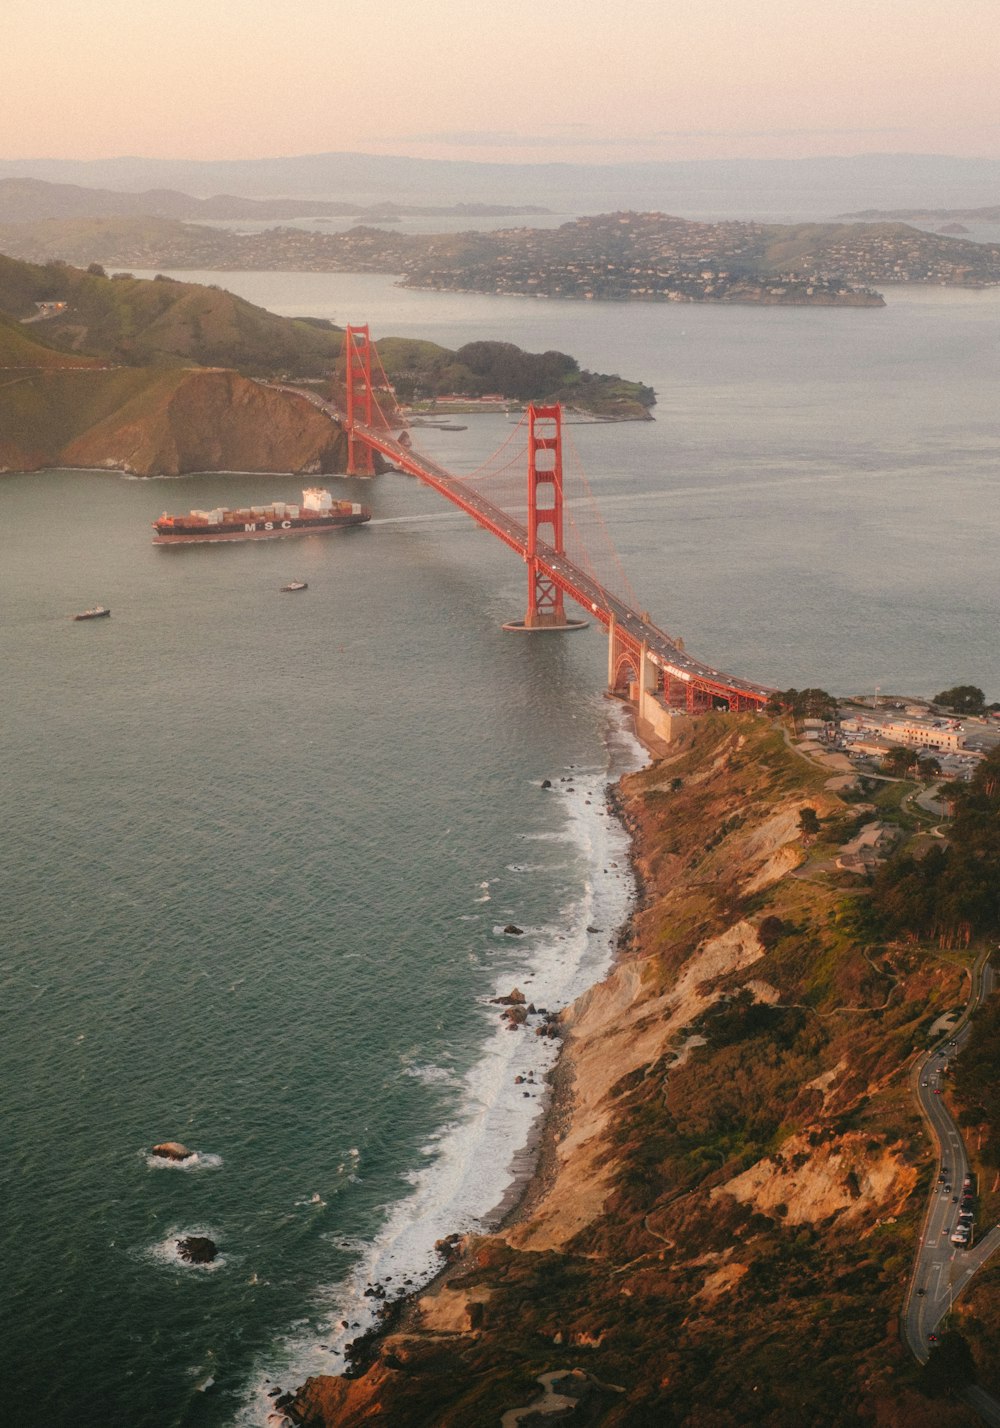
724, 1213
170, 421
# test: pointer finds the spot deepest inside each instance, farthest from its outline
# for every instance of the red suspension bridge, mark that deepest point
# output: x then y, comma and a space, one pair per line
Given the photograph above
547, 532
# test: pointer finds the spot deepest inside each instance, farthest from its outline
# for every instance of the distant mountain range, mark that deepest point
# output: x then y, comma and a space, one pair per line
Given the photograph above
776, 188
929, 215
32, 200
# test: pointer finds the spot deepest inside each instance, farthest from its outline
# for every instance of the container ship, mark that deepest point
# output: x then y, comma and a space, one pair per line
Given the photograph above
318, 512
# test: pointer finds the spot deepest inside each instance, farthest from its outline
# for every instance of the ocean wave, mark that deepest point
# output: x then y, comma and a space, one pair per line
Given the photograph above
431, 1075
537, 867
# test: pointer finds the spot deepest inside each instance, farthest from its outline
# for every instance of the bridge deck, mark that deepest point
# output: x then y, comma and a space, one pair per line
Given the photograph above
632, 631
631, 628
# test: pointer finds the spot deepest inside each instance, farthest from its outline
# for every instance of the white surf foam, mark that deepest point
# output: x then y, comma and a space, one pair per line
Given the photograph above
431, 1075
471, 1169
167, 1253
197, 1160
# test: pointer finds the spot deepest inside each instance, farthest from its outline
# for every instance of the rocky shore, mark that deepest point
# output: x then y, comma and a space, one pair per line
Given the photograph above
728, 1177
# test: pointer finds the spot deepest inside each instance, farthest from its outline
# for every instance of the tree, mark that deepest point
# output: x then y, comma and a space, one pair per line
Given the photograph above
950, 1367
897, 761
808, 822
803, 703
928, 766
964, 699
952, 894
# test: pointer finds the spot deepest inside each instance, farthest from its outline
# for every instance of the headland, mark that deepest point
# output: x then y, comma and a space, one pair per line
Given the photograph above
732, 1171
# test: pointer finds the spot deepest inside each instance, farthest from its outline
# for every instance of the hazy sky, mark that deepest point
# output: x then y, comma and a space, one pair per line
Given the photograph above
584, 80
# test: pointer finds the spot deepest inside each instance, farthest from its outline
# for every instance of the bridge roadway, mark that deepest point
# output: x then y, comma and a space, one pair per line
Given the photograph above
941, 1272
631, 630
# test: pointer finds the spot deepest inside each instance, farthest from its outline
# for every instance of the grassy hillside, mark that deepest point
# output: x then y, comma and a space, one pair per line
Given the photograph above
135, 321
21, 347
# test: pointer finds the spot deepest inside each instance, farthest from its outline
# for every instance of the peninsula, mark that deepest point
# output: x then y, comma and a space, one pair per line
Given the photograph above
635, 257
157, 377
733, 1169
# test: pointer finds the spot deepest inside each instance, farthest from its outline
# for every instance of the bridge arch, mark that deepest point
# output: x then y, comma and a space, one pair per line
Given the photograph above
624, 670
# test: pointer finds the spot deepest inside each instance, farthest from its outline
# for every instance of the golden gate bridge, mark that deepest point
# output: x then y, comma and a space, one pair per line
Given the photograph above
545, 530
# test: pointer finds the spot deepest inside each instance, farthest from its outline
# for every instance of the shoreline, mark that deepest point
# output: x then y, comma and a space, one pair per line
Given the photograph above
533, 1165
538, 1155
419, 1241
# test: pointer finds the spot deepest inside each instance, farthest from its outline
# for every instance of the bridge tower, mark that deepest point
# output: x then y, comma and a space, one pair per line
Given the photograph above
545, 515
358, 381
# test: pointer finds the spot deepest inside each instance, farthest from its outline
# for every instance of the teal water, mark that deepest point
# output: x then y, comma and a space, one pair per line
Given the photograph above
259, 848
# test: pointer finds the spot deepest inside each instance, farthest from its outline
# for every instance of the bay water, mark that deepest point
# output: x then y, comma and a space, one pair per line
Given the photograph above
260, 848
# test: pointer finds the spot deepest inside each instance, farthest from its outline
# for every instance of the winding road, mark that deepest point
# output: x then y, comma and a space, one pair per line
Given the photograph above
942, 1270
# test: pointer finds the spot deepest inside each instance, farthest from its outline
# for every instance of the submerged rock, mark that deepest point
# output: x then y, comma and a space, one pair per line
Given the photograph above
512, 930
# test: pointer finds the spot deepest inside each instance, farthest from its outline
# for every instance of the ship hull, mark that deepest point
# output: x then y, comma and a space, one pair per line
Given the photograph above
255, 530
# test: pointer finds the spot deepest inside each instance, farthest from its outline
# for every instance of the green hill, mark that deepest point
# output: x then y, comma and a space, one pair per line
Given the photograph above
137, 321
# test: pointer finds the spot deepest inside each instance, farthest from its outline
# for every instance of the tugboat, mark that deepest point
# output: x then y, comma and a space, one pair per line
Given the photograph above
97, 612
296, 585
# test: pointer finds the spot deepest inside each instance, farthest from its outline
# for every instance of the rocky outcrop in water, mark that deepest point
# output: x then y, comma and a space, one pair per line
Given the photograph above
171, 1150
197, 1249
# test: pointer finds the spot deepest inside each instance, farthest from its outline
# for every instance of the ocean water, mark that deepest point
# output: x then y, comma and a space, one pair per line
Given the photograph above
259, 849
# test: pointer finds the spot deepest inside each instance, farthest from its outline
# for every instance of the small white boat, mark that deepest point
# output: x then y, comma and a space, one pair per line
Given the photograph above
295, 585
97, 612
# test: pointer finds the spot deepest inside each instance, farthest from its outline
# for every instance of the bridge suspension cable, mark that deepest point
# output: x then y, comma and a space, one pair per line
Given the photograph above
553, 522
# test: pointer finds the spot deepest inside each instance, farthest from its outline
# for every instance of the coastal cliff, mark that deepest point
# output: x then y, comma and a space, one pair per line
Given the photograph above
732, 1169
211, 421
163, 422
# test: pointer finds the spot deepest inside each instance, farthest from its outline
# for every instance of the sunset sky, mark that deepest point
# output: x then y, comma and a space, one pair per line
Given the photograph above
516, 80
